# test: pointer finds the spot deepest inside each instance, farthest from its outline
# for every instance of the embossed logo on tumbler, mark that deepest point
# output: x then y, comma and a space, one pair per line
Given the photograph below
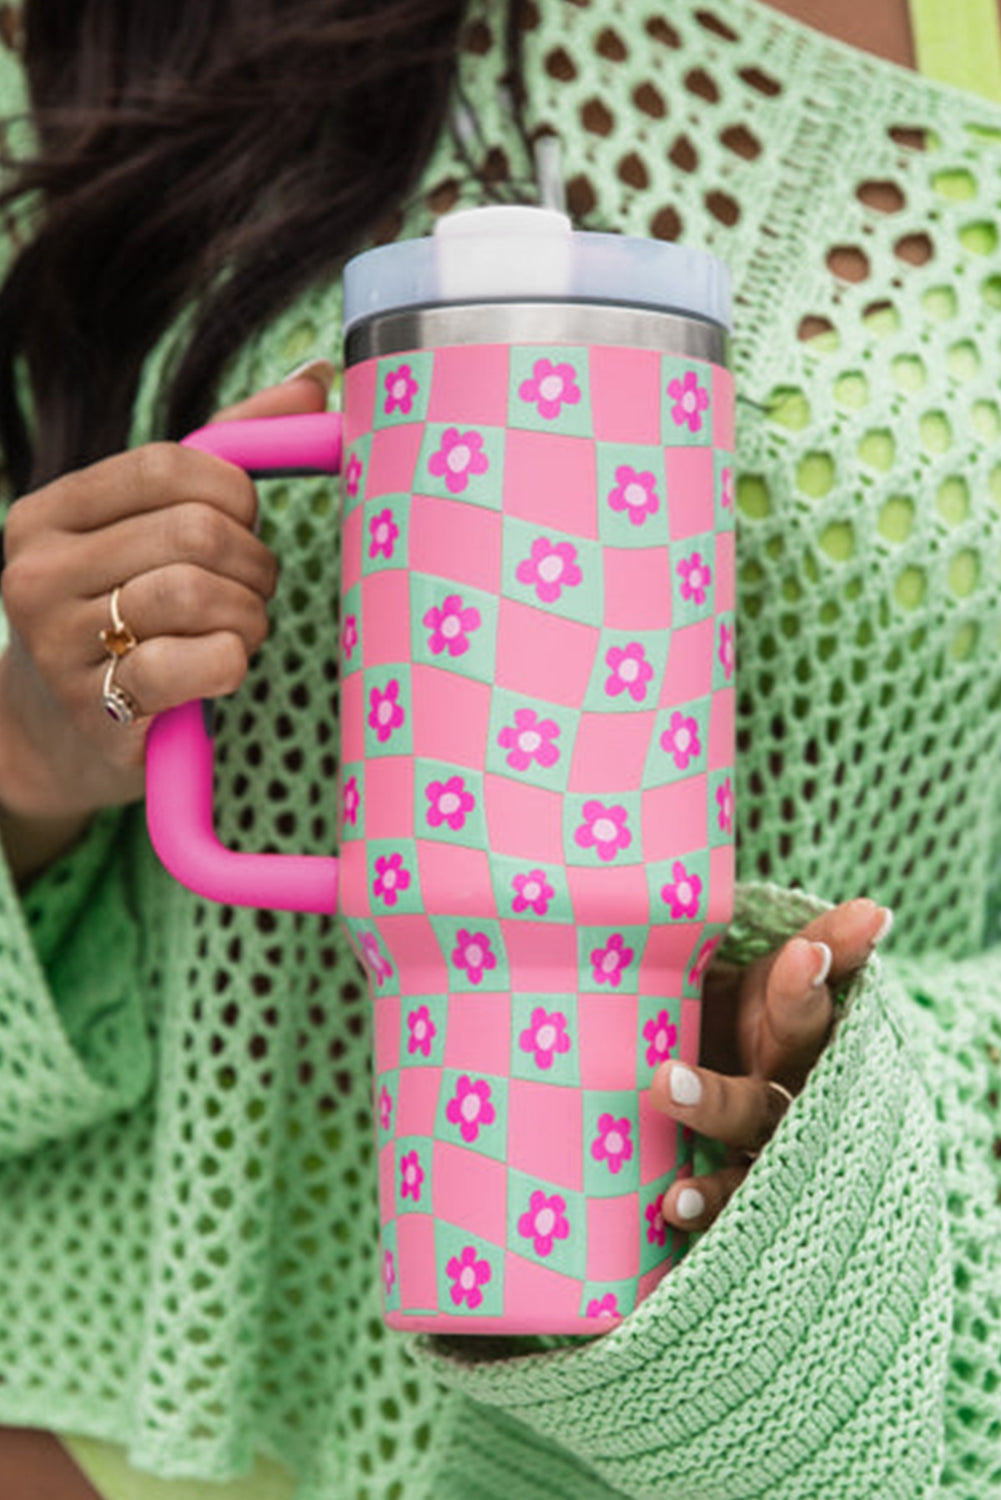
537, 790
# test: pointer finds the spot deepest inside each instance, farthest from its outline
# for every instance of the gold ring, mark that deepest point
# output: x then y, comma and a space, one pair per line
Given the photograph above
784, 1094
119, 640
116, 702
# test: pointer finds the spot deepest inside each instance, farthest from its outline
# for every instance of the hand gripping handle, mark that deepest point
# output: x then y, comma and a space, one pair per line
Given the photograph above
179, 751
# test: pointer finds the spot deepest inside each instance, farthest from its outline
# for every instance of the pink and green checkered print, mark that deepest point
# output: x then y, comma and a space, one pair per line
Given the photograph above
537, 807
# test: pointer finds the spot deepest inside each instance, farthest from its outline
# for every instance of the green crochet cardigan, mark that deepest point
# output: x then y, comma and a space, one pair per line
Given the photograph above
187, 1188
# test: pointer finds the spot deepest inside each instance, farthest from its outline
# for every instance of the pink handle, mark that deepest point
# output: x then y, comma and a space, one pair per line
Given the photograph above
179, 751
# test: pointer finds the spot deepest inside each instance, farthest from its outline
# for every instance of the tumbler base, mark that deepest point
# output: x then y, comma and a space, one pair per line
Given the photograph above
506, 1327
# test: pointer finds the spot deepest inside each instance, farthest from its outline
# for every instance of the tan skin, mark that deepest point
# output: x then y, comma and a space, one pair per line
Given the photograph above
178, 527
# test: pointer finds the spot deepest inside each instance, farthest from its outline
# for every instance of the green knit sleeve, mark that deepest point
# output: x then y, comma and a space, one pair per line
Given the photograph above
74, 1040
801, 1348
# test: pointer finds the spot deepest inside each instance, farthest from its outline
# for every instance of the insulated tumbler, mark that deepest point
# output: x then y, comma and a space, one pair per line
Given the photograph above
537, 788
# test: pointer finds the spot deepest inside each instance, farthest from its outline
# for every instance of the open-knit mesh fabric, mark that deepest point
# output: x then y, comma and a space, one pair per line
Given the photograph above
187, 1187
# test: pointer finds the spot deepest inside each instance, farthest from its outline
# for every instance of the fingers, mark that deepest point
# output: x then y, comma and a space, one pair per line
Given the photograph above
740, 1112
193, 533
694, 1202
305, 390
180, 599
164, 672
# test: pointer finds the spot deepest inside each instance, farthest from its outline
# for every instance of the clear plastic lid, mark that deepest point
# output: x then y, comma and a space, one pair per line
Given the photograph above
517, 253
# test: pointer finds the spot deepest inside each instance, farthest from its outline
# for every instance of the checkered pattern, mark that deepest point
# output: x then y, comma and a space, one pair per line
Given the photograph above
537, 806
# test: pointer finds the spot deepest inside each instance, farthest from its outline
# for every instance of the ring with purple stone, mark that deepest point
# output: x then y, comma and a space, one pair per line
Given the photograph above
116, 702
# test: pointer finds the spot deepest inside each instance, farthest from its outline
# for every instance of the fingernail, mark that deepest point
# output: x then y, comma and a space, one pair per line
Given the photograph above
824, 957
320, 370
885, 927
685, 1085
690, 1204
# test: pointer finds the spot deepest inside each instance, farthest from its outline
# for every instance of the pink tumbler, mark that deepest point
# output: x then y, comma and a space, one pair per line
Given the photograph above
536, 797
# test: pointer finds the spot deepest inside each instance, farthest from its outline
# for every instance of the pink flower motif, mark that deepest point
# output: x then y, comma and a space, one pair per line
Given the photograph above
411, 1176
604, 829
613, 1144
468, 1275
530, 739
401, 388
545, 1036
422, 1031
449, 802
533, 891
383, 530
470, 1107
352, 475
608, 964
473, 954
635, 494
696, 576
349, 636
727, 650
551, 387
630, 671
390, 878
386, 711
450, 626
460, 455
726, 487
662, 1034
374, 958
604, 1307
656, 1229
701, 960
683, 895
388, 1271
550, 569
385, 1108
681, 739
352, 800
726, 803
690, 401
544, 1222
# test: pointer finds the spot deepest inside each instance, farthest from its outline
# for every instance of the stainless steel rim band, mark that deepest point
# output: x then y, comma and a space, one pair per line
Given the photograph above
537, 323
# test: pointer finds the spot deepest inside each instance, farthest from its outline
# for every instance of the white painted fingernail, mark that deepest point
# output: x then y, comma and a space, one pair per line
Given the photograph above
690, 1204
885, 927
824, 957
320, 370
686, 1085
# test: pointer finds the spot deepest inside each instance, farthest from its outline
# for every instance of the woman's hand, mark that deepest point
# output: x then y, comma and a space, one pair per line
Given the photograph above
768, 1021
172, 528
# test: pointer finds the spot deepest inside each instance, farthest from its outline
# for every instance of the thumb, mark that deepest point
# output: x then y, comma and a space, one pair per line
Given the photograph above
305, 390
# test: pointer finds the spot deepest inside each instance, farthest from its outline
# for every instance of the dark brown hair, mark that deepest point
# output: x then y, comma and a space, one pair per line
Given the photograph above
214, 156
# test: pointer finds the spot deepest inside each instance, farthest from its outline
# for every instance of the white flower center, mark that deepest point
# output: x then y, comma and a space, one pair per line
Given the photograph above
421, 1030
660, 1041
614, 1143
529, 741
551, 567
689, 401
468, 1279
382, 532
458, 458
451, 626
695, 578
682, 739
605, 830
531, 890
411, 1174
629, 669
474, 958
545, 1037
400, 388
449, 803
385, 711
551, 388
610, 962
389, 878
635, 494
470, 1107
545, 1221
685, 892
